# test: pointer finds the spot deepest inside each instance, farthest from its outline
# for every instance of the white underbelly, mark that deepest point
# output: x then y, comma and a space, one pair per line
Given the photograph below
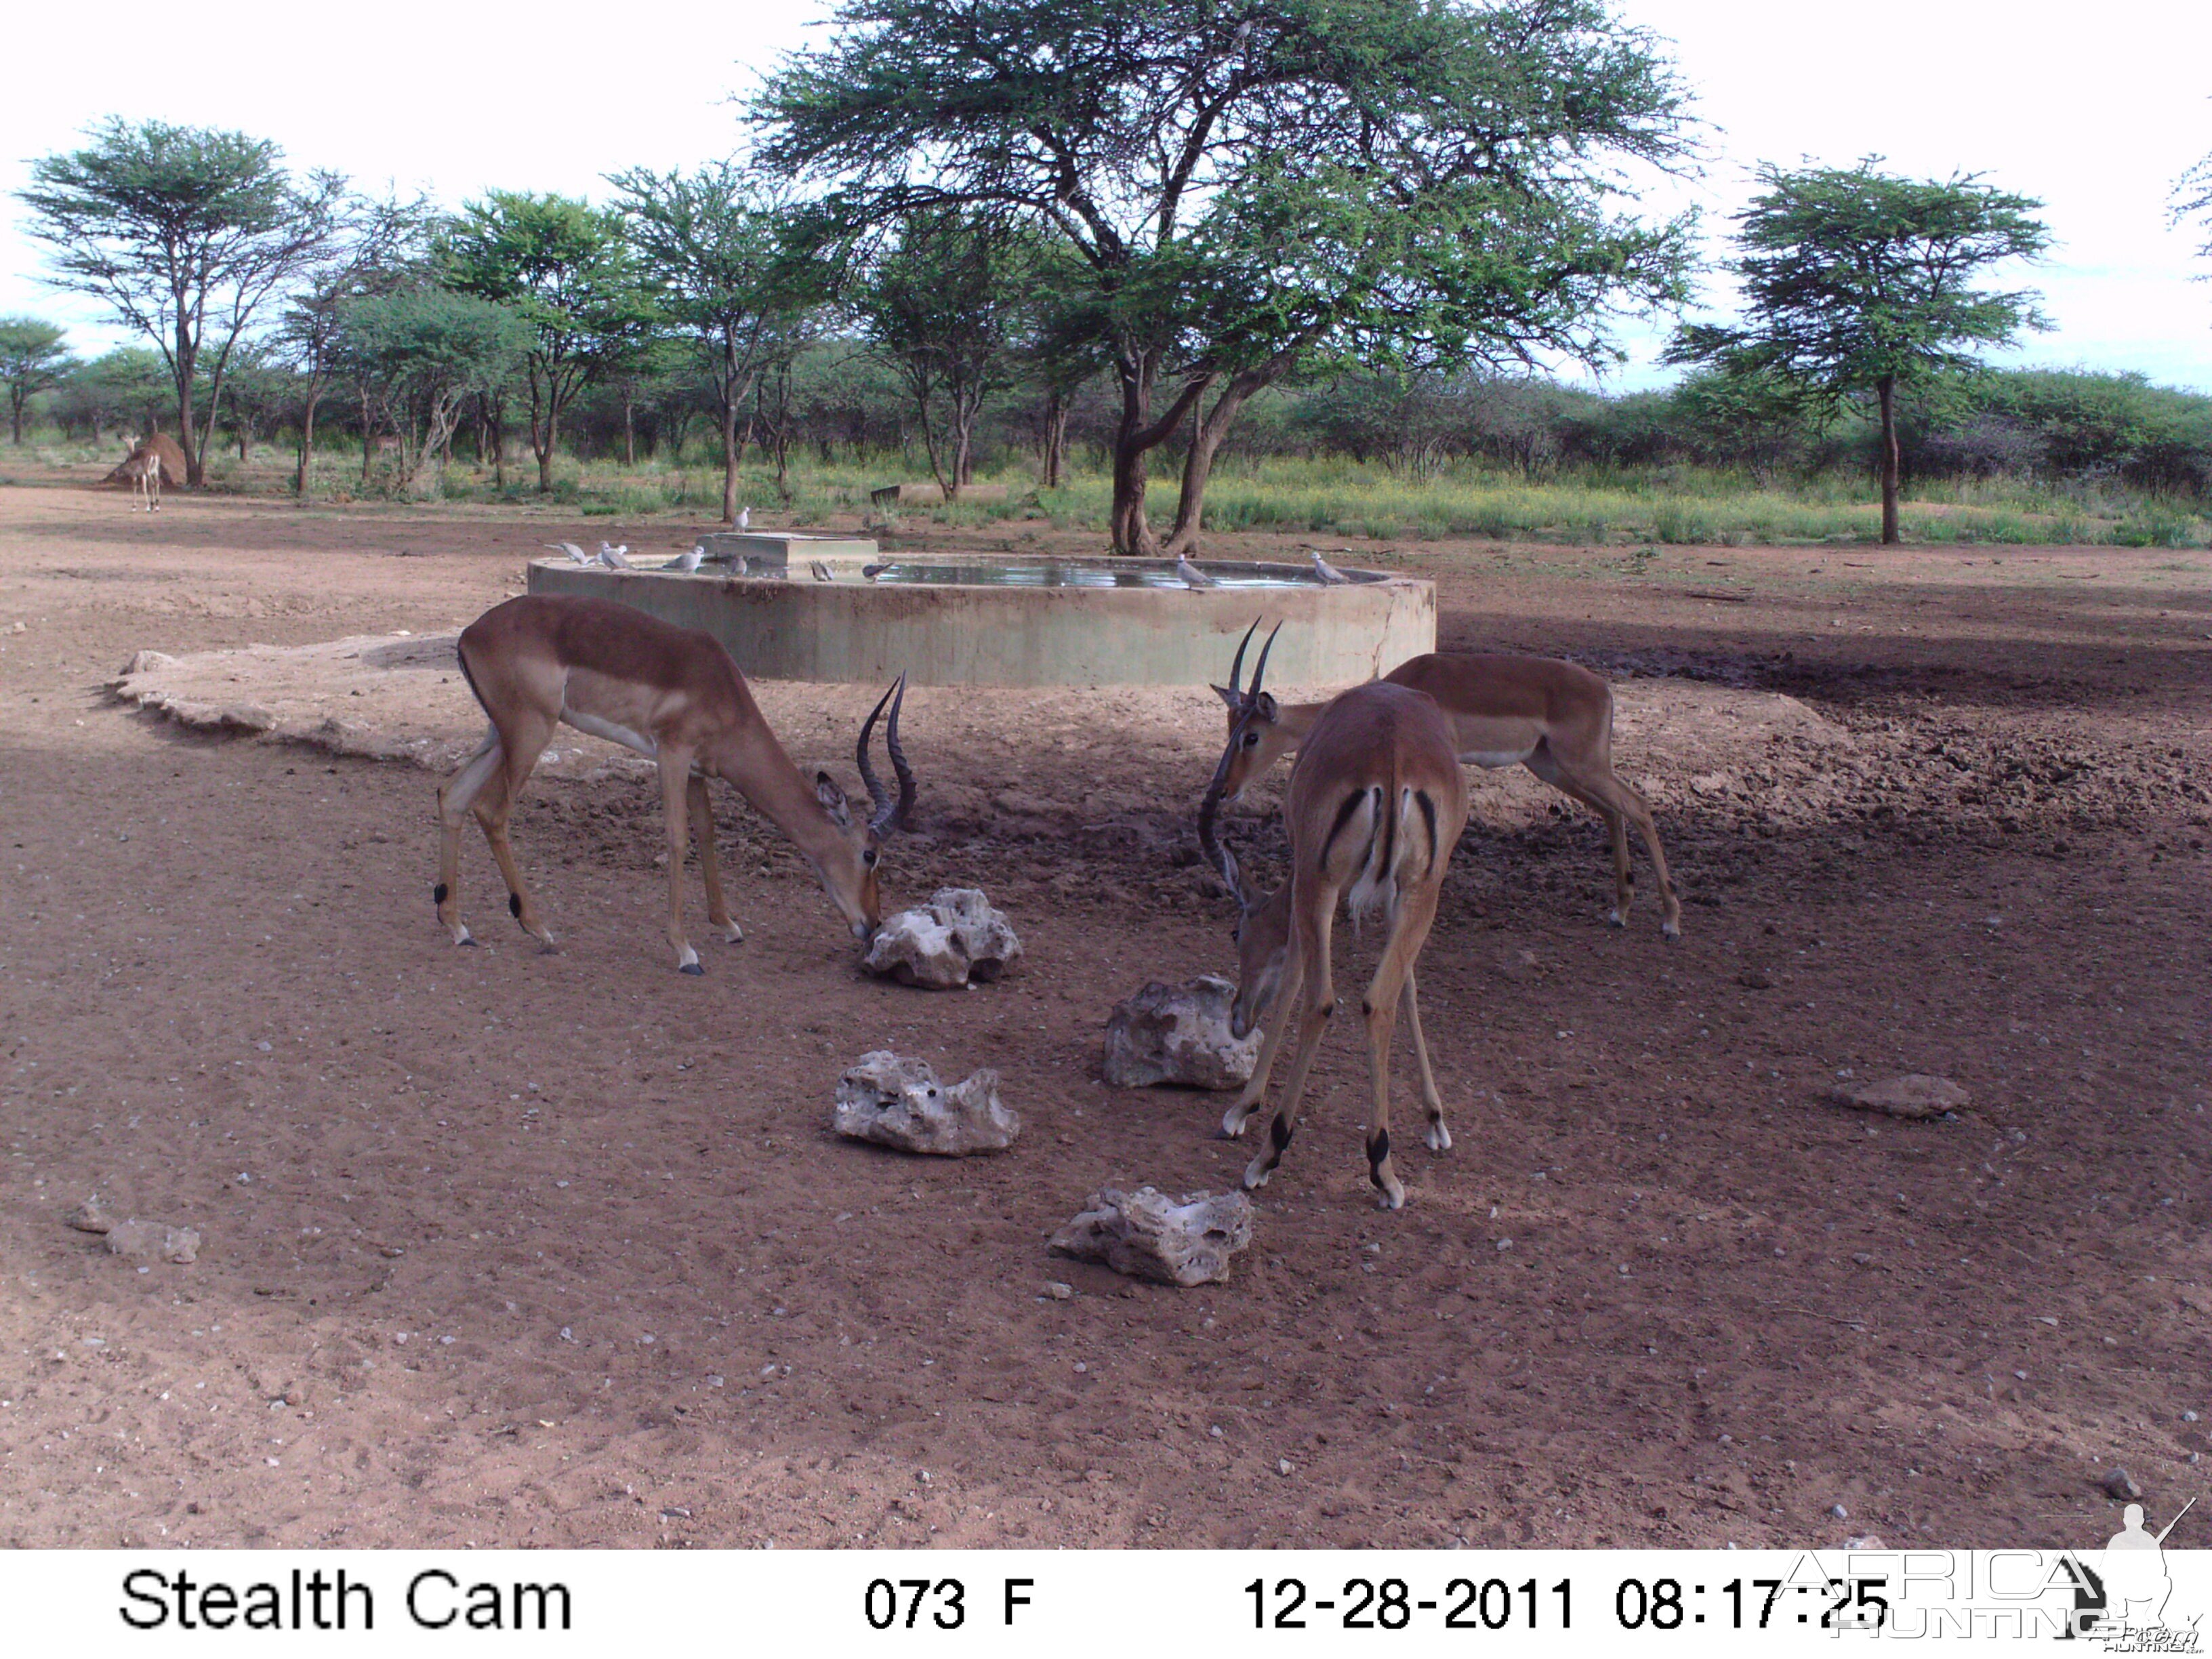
1490, 759
612, 732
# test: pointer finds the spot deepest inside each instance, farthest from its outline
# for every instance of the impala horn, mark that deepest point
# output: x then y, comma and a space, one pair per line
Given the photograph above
1236, 668
890, 815
1260, 668
1223, 860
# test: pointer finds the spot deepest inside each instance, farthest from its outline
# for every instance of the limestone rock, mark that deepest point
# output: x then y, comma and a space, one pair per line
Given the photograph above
1912, 1095
1147, 1235
89, 1217
955, 939
1178, 1034
151, 1239
900, 1102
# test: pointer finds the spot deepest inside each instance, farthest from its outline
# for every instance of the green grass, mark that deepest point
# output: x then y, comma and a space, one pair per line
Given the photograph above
1325, 496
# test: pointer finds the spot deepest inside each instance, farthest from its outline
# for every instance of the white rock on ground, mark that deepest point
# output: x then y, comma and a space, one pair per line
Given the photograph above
1912, 1095
152, 1238
955, 939
1147, 1235
900, 1102
1178, 1034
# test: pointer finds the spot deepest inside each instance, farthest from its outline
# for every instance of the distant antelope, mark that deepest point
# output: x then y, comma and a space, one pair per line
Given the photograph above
1376, 803
148, 459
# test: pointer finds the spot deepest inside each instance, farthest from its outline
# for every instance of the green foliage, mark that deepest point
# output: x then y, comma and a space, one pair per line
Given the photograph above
1852, 278
32, 357
565, 268
1244, 188
421, 351
185, 233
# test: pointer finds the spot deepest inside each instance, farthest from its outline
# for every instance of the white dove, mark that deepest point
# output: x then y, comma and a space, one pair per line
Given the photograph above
1192, 575
744, 518
614, 557
571, 549
821, 571
1328, 573
687, 561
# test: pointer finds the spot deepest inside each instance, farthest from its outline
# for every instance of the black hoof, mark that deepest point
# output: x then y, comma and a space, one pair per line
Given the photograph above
693, 968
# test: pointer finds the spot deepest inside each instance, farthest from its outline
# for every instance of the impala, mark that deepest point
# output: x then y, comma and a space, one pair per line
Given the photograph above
1555, 718
673, 694
1377, 803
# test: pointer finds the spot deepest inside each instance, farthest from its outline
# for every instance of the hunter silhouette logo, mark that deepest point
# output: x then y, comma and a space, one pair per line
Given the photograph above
2124, 1595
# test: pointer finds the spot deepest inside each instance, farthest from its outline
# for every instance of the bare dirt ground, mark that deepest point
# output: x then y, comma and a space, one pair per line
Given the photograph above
502, 1248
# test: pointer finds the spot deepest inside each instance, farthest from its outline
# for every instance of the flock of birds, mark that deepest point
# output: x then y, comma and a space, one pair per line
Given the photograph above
611, 557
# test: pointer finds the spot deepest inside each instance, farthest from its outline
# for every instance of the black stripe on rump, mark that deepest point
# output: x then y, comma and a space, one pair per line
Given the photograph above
1429, 818
1343, 816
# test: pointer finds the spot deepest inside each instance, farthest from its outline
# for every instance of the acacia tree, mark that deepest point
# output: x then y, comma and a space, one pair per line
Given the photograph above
185, 233
1856, 283
1247, 185
944, 304
2192, 199
715, 244
32, 359
374, 247
565, 268
422, 353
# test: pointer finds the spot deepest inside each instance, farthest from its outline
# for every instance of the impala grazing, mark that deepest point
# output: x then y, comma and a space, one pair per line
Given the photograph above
674, 696
1554, 718
1377, 803
150, 458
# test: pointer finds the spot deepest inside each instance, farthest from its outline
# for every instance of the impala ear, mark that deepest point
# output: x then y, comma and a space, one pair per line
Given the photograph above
833, 800
1234, 700
1264, 706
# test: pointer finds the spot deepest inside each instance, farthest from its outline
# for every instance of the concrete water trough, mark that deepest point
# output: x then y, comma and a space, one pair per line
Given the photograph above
836, 612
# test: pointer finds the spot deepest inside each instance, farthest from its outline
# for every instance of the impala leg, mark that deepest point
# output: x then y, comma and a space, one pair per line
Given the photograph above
1439, 1137
1273, 1026
675, 788
455, 797
1393, 981
522, 745
710, 866
1605, 794
1321, 1003
1547, 766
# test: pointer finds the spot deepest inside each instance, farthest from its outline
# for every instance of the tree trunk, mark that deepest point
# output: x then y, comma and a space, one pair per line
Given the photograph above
1134, 439
1205, 442
1056, 436
730, 452
187, 363
307, 438
1886, 387
16, 413
630, 429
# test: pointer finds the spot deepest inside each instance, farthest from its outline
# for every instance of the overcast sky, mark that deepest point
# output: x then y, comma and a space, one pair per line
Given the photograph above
2096, 110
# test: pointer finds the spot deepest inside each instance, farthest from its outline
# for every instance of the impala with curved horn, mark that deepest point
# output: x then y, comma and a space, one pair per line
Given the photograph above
1554, 717
1376, 803
673, 694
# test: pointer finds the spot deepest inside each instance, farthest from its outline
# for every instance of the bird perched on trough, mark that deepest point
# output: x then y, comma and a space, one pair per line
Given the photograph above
1328, 573
1192, 575
744, 518
571, 549
615, 558
688, 559
874, 573
821, 571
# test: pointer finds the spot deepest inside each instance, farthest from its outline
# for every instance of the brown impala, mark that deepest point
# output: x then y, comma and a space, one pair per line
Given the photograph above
673, 694
1376, 803
1555, 718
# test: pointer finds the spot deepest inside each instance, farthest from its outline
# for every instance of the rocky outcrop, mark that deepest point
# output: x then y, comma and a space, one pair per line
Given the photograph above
1147, 1235
895, 1102
1179, 1034
957, 939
